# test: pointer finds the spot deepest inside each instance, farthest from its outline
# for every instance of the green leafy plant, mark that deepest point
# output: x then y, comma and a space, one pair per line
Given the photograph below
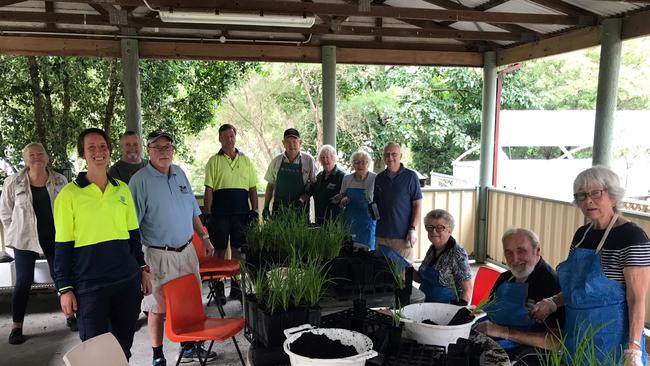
397, 272
586, 351
397, 313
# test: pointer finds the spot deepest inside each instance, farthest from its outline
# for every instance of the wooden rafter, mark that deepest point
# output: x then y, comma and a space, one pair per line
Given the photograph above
137, 22
289, 7
563, 7
447, 4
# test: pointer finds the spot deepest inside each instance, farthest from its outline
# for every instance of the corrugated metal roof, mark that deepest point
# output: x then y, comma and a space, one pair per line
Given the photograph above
605, 8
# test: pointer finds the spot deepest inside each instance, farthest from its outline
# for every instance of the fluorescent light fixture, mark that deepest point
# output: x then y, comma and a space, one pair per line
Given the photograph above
293, 21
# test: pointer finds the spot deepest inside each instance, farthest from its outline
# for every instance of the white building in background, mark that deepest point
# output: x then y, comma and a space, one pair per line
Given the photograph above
571, 131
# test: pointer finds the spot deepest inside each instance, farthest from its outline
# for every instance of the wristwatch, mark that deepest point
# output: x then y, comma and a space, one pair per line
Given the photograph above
61, 292
146, 268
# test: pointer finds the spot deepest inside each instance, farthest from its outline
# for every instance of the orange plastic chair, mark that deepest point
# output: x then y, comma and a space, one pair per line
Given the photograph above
485, 279
213, 270
186, 320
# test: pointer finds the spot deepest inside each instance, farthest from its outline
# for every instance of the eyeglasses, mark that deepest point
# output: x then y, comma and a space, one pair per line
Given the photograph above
391, 154
359, 162
594, 194
162, 148
438, 228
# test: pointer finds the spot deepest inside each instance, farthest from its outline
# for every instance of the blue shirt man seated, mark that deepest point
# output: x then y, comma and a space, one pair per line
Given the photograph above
529, 280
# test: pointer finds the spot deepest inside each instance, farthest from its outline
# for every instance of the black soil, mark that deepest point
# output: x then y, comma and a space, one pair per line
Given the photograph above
429, 321
462, 316
320, 346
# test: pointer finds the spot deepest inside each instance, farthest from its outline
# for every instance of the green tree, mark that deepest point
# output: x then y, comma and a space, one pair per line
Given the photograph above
50, 99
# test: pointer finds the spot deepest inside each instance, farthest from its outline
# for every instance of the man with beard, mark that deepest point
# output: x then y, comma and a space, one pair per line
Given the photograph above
529, 280
130, 157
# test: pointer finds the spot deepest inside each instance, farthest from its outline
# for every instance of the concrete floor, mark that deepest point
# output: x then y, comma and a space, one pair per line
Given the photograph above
48, 338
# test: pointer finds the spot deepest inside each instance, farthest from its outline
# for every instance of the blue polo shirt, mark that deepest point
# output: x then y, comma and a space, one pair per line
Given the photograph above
164, 205
394, 197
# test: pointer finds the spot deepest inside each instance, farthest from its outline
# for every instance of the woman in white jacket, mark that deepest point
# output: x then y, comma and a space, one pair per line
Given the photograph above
26, 214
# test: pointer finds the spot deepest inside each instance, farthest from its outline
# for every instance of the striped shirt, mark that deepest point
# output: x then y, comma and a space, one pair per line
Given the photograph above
626, 246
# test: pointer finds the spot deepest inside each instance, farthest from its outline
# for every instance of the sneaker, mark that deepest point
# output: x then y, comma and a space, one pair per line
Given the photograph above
16, 336
159, 362
192, 354
71, 322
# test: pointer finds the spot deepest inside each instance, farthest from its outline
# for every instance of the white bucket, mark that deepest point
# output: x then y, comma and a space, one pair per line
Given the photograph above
359, 341
438, 335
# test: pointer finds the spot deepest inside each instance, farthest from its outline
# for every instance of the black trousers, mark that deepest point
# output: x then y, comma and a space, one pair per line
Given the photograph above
25, 260
115, 309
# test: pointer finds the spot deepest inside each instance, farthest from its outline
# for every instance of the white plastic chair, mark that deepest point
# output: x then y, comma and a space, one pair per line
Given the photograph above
102, 350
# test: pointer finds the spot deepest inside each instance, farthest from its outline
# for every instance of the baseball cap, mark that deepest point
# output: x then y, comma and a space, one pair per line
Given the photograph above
291, 132
155, 135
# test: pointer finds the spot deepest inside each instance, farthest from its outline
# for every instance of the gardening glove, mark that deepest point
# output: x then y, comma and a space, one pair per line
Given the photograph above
411, 238
266, 214
632, 357
253, 217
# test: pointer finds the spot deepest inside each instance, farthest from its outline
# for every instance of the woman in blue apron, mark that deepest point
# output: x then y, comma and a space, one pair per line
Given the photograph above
444, 274
608, 265
357, 190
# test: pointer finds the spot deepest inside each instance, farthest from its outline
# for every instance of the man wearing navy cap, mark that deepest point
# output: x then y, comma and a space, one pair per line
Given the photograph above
289, 176
168, 214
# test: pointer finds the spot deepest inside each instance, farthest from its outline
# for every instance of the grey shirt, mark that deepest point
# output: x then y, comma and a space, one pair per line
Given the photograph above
124, 171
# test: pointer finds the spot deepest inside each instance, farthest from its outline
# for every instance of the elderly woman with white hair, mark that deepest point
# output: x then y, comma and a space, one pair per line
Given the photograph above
26, 214
605, 278
444, 274
357, 190
327, 186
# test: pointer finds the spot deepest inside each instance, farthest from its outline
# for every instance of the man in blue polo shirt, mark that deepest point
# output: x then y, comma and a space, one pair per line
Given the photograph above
399, 200
167, 214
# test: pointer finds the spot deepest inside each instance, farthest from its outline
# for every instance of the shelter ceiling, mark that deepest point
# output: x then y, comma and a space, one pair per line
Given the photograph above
439, 32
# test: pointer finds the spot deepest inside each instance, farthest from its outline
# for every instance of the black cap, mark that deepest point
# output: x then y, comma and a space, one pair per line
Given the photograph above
155, 135
291, 132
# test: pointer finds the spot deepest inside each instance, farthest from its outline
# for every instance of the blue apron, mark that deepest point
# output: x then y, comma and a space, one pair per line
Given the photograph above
509, 309
433, 289
355, 216
288, 188
593, 300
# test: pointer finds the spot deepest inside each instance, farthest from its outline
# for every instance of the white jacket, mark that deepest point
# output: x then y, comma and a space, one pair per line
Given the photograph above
17, 211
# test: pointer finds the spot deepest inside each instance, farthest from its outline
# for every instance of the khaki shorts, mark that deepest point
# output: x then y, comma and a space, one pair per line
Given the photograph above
399, 245
166, 266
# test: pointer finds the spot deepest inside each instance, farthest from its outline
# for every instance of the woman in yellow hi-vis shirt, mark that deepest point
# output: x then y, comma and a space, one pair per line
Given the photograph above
99, 266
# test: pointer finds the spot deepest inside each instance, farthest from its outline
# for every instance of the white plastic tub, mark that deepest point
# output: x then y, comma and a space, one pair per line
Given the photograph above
438, 335
359, 341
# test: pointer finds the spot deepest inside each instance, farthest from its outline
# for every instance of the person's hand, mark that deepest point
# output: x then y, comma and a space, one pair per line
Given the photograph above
304, 198
345, 200
632, 357
266, 214
145, 285
336, 199
253, 216
411, 238
542, 310
208, 249
492, 330
68, 303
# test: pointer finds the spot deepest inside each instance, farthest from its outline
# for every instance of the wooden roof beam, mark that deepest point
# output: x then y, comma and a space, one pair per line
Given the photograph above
137, 22
564, 7
290, 7
216, 51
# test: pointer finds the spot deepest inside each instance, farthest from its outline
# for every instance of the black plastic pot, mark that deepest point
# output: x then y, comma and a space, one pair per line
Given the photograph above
267, 330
